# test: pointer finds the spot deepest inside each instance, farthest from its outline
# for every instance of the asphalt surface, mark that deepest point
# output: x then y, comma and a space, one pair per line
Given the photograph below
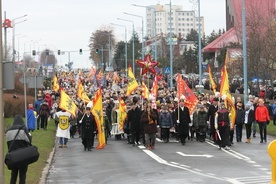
169, 163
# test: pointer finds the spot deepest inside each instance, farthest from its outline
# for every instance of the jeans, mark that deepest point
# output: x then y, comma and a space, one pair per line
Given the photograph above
150, 139
262, 127
63, 141
254, 128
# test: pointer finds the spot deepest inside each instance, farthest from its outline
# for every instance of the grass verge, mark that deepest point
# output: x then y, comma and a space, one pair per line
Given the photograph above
45, 141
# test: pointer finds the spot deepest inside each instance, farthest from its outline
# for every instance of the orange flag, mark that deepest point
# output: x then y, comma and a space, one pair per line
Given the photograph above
81, 93
122, 114
183, 89
97, 111
154, 88
145, 91
213, 84
224, 91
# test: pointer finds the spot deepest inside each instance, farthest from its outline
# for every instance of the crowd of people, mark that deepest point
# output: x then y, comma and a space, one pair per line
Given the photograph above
168, 116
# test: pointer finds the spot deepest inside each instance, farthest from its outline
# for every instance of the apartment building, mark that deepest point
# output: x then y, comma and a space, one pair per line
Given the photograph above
182, 21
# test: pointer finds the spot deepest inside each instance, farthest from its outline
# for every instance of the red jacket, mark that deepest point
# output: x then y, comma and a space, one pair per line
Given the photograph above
261, 114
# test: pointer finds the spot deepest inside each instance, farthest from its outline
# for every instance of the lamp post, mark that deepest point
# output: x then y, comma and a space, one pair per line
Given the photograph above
244, 52
125, 44
199, 46
13, 34
155, 41
133, 66
143, 52
171, 49
109, 47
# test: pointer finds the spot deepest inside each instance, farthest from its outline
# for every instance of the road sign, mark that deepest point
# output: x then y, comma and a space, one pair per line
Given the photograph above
21, 79
167, 70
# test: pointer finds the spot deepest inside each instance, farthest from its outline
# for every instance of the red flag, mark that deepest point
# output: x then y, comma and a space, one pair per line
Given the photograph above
183, 89
7, 23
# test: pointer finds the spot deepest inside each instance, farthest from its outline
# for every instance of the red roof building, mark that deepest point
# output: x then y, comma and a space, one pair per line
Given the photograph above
264, 10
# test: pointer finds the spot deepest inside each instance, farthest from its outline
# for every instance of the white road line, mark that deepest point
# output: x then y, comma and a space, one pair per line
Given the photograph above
185, 155
162, 161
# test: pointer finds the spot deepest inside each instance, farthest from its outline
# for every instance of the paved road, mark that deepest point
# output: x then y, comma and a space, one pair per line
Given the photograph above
169, 163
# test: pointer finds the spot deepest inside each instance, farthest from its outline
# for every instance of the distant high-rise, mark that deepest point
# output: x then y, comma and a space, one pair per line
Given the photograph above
182, 21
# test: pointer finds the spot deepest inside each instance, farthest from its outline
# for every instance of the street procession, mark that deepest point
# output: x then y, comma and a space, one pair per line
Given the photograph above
167, 91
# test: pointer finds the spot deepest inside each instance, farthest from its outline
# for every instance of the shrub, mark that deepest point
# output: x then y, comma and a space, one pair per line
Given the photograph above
14, 106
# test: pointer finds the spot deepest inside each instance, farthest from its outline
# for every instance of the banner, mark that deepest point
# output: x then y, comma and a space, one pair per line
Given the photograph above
212, 82
224, 91
55, 84
132, 83
145, 91
97, 111
122, 114
81, 93
66, 103
183, 89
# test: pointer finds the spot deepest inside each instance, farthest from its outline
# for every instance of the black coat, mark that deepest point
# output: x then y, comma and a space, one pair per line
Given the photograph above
133, 118
88, 127
184, 119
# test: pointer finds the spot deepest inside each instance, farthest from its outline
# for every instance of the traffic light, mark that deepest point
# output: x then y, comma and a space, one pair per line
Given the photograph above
47, 52
97, 51
34, 52
58, 52
80, 51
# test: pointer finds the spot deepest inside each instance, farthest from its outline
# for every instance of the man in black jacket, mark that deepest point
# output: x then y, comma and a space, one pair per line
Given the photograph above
22, 140
211, 117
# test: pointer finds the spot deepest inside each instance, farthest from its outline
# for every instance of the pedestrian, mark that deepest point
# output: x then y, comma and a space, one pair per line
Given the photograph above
23, 139
200, 123
63, 128
255, 105
262, 118
273, 107
211, 117
183, 119
134, 116
115, 122
149, 123
44, 113
248, 120
31, 118
239, 121
165, 123
37, 105
88, 129
222, 126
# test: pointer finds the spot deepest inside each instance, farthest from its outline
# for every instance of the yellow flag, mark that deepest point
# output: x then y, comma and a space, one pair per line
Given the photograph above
145, 91
97, 111
55, 84
66, 103
122, 114
132, 83
213, 84
224, 91
81, 93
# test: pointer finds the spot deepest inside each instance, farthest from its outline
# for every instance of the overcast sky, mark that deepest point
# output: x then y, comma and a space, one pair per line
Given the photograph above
66, 25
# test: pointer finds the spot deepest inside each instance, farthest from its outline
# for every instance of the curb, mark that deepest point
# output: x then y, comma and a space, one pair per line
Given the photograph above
47, 167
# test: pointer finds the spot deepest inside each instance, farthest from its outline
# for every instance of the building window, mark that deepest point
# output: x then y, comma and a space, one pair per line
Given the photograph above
188, 19
179, 29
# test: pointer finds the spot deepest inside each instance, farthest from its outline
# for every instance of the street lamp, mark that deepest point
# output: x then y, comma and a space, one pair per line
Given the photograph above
13, 34
109, 47
199, 46
125, 44
155, 42
143, 52
244, 52
133, 66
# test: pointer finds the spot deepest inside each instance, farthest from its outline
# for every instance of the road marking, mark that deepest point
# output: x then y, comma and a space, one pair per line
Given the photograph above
162, 161
185, 155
